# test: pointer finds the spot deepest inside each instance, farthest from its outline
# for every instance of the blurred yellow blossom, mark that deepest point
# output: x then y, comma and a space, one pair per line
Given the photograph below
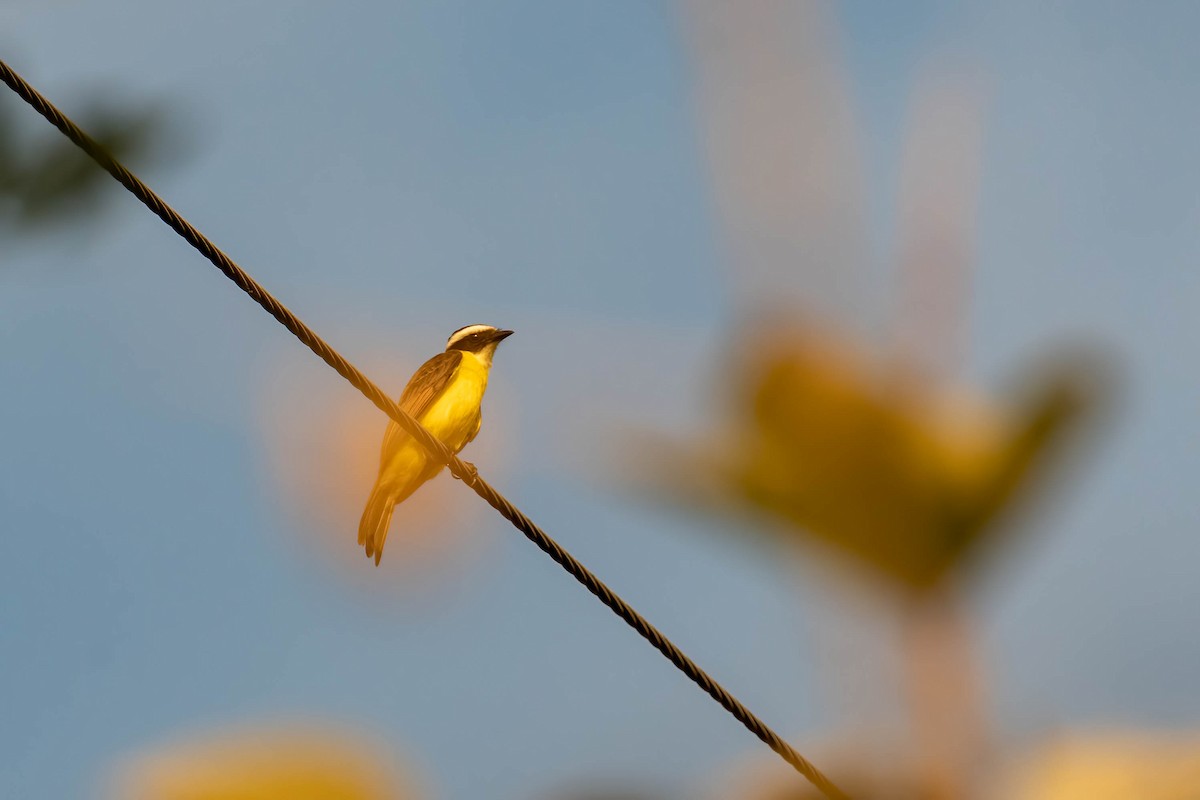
868, 456
289, 763
1115, 765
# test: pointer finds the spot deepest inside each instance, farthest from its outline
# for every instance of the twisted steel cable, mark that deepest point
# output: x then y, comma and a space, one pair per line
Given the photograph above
459, 468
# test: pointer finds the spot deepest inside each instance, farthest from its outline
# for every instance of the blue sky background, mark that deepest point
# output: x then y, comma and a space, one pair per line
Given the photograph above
393, 171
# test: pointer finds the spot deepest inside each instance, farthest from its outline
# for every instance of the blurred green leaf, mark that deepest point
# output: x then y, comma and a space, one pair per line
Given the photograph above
50, 182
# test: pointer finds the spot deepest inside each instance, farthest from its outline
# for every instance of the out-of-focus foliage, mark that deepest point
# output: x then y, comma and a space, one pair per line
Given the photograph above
901, 474
48, 181
268, 764
886, 459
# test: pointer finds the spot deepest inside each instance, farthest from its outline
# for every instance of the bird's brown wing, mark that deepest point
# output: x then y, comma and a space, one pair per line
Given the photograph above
424, 387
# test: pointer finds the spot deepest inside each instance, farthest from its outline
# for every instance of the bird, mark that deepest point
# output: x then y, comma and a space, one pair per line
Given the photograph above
445, 395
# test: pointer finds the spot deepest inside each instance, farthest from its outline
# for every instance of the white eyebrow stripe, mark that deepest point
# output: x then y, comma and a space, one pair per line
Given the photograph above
463, 333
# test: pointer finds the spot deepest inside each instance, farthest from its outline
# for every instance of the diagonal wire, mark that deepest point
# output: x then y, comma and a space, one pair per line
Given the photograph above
432, 445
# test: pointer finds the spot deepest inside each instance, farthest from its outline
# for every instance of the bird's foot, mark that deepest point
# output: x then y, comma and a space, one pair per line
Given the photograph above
471, 474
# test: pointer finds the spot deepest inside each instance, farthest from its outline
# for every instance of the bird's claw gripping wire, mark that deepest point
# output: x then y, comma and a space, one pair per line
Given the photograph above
470, 474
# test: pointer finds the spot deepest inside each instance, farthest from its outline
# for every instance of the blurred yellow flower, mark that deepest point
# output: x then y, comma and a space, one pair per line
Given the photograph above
871, 458
268, 764
1117, 765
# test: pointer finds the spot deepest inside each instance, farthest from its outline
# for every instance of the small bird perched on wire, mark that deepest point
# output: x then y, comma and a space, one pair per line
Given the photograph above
445, 396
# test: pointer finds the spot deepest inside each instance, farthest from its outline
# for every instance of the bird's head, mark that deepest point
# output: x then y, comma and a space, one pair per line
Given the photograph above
478, 339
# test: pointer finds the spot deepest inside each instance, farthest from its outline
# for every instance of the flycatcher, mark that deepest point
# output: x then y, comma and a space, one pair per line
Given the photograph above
445, 396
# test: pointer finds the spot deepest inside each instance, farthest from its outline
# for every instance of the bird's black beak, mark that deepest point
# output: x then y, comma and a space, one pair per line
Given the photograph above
500, 336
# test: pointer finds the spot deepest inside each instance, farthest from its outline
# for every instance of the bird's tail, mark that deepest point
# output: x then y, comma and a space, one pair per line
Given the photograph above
376, 518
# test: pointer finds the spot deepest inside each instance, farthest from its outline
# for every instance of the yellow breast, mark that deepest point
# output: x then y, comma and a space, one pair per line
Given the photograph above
454, 416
